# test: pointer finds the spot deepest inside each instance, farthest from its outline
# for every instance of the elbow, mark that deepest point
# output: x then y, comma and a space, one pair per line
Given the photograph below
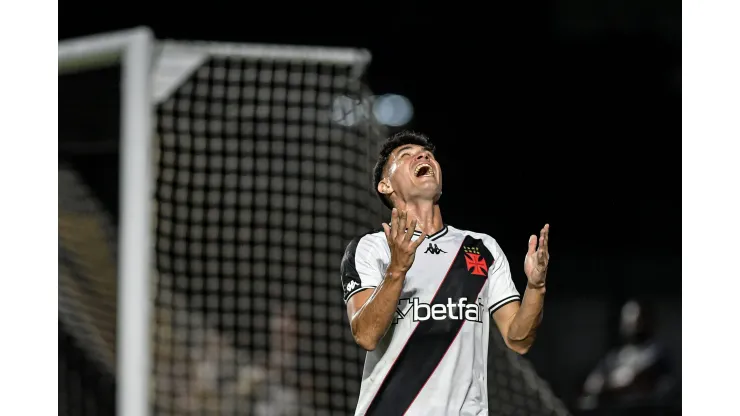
365, 342
521, 350
520, 347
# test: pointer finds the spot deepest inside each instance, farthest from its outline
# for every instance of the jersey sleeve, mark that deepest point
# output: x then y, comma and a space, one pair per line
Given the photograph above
360, 268
501, 289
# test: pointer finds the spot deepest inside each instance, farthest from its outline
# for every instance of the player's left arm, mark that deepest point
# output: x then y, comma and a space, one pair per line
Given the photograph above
518, 322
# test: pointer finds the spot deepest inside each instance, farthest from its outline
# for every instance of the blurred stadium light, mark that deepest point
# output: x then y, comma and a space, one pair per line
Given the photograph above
392, 110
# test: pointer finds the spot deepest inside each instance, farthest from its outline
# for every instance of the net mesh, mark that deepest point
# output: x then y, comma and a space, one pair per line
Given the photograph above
264, 173
514, 388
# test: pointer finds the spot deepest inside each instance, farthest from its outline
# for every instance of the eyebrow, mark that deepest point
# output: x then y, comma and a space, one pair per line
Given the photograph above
402, 148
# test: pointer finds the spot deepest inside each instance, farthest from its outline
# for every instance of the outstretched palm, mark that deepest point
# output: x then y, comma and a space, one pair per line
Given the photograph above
537, 258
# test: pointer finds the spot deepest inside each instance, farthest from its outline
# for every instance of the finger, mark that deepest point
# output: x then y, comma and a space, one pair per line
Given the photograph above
387, 231
394, 223
532, 244
541, 246
419, 240
547, 237
412, 228
402, 225
541, 243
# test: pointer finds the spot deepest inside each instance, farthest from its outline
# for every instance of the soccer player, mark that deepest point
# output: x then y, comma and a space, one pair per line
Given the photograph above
420, 295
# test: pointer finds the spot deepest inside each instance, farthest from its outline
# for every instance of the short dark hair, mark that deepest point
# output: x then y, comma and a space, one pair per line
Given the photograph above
393, 142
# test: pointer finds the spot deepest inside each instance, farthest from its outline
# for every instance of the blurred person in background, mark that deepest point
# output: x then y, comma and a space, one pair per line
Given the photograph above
421, 295
221, 379
635, 376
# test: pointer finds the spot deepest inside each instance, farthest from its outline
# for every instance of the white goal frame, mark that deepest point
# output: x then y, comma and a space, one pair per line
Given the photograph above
133, 50
151, 70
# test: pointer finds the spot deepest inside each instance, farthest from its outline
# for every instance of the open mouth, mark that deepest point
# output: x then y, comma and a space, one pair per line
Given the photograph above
424, 169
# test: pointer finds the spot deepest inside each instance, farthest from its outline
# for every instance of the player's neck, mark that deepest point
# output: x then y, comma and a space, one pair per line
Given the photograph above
428, 214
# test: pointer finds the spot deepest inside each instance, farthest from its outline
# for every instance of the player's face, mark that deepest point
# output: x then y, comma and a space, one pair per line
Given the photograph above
414, 173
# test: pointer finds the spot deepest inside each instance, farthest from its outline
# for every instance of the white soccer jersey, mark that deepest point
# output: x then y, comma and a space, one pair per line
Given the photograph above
433, 359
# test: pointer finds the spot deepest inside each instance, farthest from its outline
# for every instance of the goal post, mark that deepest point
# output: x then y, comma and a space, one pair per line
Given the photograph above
132, 49
316, 116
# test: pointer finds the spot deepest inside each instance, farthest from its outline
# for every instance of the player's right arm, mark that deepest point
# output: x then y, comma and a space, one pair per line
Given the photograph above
371, 312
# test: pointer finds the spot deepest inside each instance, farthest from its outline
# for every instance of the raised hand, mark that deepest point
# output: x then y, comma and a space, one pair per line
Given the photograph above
403, 250
537, 259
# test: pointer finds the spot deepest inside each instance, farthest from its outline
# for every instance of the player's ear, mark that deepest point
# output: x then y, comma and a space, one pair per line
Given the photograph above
384, 187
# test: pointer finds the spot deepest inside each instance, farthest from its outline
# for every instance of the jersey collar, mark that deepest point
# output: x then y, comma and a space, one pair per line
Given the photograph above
436, 236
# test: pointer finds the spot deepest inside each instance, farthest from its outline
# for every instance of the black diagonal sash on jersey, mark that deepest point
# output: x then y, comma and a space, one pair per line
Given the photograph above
429, 342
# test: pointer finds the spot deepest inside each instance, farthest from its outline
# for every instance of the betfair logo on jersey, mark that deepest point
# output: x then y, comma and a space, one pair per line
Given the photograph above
418, 311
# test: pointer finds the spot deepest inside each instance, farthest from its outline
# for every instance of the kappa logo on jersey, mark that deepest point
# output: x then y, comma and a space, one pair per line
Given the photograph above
351, 285
474, 261
434, 249
418, 311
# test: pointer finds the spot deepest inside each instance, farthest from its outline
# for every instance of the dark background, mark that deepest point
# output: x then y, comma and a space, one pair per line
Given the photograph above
564, 113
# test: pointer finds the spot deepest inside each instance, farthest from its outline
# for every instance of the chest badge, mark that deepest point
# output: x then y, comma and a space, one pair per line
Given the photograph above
474, 261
